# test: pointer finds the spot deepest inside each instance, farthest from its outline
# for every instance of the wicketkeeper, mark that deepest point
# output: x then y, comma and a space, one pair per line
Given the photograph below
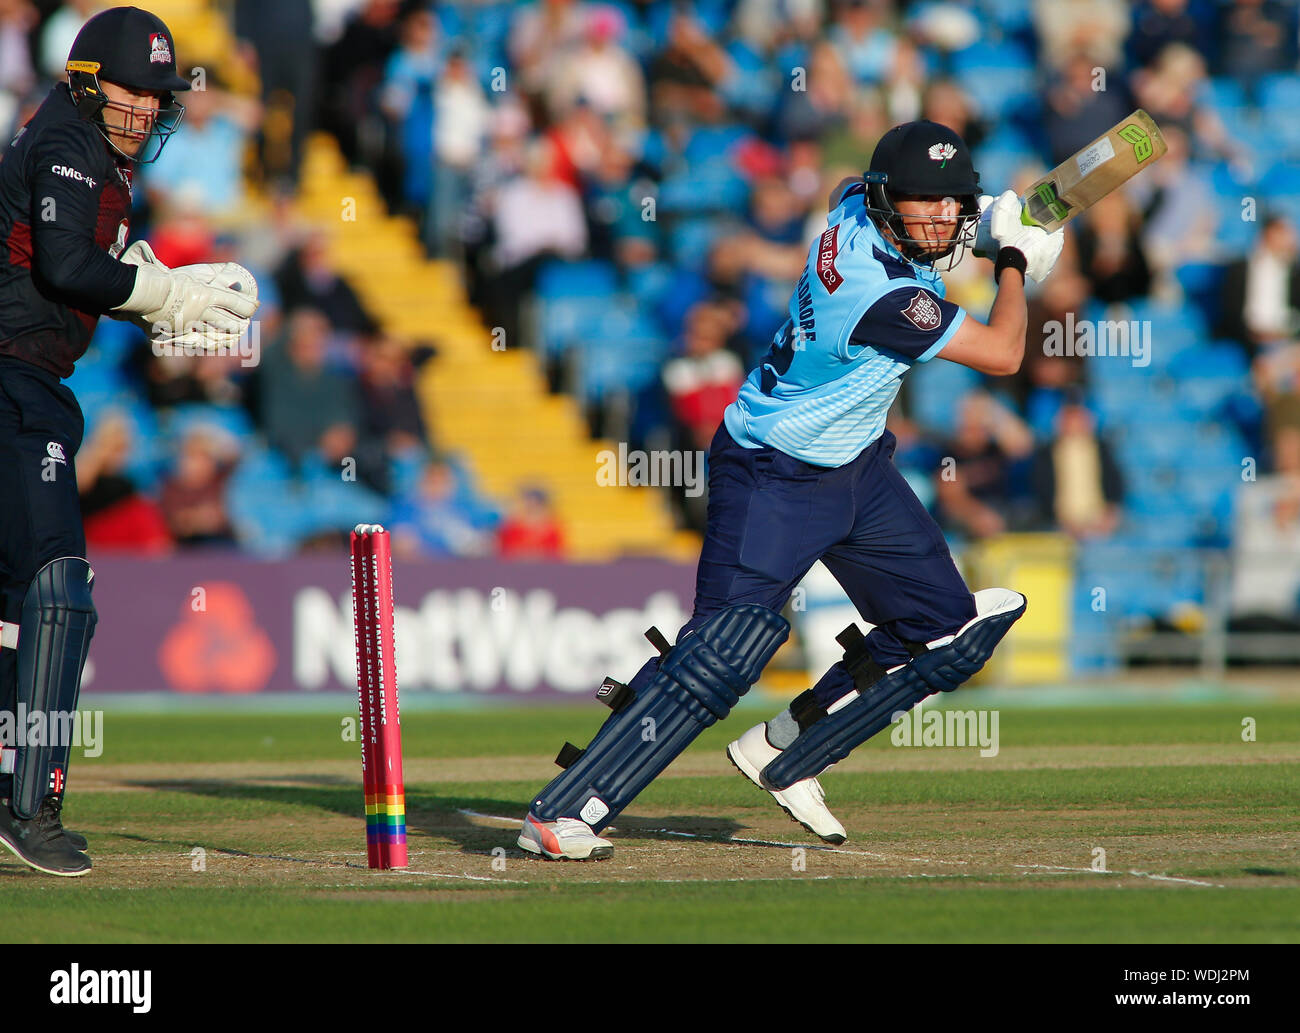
801, 470
65, 198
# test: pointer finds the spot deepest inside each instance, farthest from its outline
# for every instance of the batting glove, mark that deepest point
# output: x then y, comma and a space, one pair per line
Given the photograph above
1040, 248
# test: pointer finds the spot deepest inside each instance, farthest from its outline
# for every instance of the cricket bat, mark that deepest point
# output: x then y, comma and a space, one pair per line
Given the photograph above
1087, 176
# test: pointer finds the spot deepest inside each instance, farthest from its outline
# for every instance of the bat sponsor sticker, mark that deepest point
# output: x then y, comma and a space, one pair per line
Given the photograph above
923, 312
1102, 151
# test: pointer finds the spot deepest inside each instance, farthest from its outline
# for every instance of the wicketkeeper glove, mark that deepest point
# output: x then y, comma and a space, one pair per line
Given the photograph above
208, 305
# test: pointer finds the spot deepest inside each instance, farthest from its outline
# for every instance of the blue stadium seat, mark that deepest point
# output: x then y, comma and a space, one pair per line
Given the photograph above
1218, 359
999, 76
1207, 394
332, 504
999, 92
1279, 95
1260, 139
707, 187
1011, 16
229, 419
264, 505
936, 388
576, 279
631, 366
714, 143
1282, 180
569, 296
1235, 235
690, 241
986, 54
998, 164
648, 282
1224, 95
564, 320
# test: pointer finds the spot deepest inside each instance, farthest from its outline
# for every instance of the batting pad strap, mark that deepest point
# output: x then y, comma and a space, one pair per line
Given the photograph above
805, 709
946, 664
615, 694
568, 754
695, 686
656, 638
8, 635
858, 660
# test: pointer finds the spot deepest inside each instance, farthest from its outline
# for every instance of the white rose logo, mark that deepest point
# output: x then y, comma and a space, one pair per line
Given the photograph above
941, 152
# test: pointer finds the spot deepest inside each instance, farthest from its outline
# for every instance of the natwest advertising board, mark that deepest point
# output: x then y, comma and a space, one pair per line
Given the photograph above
216, 623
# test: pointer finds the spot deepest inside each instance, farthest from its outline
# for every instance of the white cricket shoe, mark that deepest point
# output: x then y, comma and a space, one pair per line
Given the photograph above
565, 839
805, 801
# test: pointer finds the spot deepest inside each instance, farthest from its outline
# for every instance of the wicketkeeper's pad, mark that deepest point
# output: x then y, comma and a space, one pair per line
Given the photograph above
58, 620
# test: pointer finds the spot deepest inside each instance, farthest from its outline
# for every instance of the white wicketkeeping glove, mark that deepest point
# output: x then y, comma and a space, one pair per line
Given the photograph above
210, 305
218, 274
1040, 248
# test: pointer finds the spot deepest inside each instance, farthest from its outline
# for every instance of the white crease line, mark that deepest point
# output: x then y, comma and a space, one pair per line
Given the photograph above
868, 853
515, 822
826, 848
512, 822
1131, 871
446, 875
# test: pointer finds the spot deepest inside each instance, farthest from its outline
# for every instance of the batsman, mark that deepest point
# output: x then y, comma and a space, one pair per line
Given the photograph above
801, 470
65, 199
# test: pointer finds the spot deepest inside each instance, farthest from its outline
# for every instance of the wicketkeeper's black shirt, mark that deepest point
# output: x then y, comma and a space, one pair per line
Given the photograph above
65, 200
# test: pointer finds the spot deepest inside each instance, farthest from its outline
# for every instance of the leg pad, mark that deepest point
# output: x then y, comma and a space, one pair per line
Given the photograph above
58, 620
698, 682
942, 666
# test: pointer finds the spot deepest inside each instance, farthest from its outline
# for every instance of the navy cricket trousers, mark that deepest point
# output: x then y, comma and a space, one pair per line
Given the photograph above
771, 517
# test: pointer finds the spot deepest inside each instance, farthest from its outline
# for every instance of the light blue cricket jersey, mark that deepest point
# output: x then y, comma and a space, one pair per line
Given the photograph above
860, 316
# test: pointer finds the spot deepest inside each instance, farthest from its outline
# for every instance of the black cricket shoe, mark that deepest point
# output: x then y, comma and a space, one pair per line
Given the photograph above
40, 842
75, 839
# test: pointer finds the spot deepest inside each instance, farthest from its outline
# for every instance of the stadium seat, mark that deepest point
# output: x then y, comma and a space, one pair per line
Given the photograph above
935, 389
707, 187
232, 420
1279, 96
1281, 179
714, 143
690, 241
1011, 16
1220, 359
576, 279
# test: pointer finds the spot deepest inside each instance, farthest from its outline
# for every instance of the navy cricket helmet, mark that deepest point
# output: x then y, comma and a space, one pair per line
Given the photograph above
924, 160
131, 48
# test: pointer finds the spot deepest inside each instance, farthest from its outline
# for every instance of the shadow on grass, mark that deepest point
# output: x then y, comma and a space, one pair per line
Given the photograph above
438, 817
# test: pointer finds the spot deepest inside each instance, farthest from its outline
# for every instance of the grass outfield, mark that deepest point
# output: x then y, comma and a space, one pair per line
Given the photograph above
247, 827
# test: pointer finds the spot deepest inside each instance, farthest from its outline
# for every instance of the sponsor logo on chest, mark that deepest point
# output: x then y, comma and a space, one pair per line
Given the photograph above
827, 248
